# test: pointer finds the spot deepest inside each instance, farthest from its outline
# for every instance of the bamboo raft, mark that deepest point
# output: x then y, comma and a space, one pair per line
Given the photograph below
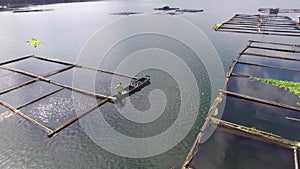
260, 24
45, 77
253, 132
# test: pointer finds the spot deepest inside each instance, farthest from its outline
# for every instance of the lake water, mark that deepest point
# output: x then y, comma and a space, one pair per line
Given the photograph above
65, 33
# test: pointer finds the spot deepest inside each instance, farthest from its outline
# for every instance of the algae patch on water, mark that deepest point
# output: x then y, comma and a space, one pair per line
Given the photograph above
291, 86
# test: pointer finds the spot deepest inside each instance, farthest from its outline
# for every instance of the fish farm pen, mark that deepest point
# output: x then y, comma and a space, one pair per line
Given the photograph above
277, 10
255, 120
261, 24
21, 77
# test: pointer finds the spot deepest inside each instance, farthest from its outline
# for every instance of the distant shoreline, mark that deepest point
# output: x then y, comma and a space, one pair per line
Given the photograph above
21, 4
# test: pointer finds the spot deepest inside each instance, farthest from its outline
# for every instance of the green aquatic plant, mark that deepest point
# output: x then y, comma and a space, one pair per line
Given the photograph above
216, 112
292, 87
297, 144
254, 131
217, 26
297, 25
34, 42
219, 99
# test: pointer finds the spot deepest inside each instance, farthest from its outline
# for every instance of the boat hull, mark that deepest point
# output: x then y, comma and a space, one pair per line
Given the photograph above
133, 87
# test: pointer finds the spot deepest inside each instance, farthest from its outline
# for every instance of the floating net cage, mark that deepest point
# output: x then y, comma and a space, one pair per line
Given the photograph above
278, 10
261, 24
39, 90
259, 127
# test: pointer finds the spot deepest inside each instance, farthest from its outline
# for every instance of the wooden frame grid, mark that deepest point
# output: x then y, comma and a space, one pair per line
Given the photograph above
242, 130
261, 24
61, 86
280, 10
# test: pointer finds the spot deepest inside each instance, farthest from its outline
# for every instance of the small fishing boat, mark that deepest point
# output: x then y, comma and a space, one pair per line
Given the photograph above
135, 85
166, 8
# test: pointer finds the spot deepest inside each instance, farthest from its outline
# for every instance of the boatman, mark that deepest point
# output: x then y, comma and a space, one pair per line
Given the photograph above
119, 88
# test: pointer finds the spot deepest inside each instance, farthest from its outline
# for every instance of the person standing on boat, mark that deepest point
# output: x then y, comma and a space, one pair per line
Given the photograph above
119, 88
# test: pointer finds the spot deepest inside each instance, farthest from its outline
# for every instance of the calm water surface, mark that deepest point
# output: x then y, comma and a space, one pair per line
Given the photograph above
64, 32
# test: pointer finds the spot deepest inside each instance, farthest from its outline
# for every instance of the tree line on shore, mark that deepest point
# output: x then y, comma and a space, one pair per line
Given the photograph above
19, 3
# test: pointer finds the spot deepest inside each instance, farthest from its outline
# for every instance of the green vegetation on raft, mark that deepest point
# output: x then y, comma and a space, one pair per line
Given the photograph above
217, 26
292, 87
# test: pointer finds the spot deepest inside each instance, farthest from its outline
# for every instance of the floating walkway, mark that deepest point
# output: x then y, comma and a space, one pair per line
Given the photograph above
260, 24
258, 118
7, 69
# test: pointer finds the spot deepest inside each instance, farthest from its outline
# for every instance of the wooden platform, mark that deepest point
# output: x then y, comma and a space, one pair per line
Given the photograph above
260, 24
255, 57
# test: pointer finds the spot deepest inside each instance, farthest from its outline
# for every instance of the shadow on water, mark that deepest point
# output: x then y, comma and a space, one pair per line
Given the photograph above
263, 117
263, 91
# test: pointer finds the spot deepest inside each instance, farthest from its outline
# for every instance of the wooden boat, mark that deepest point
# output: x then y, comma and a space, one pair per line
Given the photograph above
135, 85
166, 8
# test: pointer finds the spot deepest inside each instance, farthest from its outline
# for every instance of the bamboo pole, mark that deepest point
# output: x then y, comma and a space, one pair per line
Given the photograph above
266, 31
269, 56
33, 80
239, 75
254, 23
294, 32
268, 66
247, 25
281, 50
199, 136
52, 60
228, 74
72, 120
261, 100
84, 67
244, 128
17, 86
257, 134
296, 159
243, 16
273, 43
191, 152
15, 60
253, 32
293, 119
262, 19
269, 18
59, 84
83, 91
265, 17
18, 112
264, 27
238, 16
58, 71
